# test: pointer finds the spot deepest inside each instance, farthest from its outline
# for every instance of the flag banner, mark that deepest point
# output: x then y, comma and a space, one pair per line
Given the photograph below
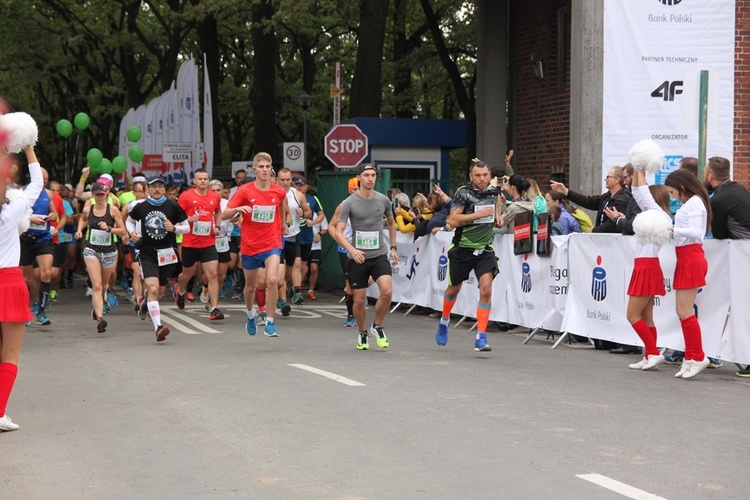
653, 54
208, 124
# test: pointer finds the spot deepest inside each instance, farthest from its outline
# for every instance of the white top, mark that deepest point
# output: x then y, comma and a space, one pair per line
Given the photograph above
12, 213
645, 201
317, 228
690, 223
226, 226
293, 202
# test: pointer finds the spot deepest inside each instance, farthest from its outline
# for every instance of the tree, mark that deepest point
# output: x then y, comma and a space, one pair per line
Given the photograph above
367, 85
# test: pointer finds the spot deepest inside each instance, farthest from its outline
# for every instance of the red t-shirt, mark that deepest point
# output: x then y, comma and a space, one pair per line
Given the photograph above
263, 228
58, 202
201, 234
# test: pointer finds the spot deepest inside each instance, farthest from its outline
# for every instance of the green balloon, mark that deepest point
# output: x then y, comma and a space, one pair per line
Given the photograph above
134, 134
119, 164
95, 169
94, 157
135, 153
105, 167
81, 121
64, 128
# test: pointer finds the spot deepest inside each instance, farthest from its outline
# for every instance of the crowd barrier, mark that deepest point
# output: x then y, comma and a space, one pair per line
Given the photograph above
581, 288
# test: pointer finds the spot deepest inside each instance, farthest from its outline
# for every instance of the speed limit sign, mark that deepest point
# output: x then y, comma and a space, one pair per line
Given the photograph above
294, 156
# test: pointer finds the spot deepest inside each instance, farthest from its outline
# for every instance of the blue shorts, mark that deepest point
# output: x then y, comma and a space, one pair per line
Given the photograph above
250, 262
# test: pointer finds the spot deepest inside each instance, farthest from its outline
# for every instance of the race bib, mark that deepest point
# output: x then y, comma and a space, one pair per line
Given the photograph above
490, 219
367, 240
166, 256
222, 244
263, 214
202, 228
39, 227
100, 238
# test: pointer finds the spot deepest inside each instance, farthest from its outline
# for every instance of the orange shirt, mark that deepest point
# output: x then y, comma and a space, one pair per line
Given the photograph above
263, 228
201, 234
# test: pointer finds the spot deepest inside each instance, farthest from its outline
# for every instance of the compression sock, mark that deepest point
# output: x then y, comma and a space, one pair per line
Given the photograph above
349, 304
260, 298
44, 289
448, 303
483, 316
153, 310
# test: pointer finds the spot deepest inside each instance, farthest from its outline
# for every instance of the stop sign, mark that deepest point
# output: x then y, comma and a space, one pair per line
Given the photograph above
346, 145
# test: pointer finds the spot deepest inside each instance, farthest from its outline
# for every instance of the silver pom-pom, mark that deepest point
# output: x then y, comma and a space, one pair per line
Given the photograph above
23, 224
21, 129
652, 227
646, 155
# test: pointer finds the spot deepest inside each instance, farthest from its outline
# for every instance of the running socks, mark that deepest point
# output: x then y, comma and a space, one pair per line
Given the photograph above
483, 316
44, 289
349, 303
691, 330
648, 337
153, 310
8, 372
250, 314
448, 303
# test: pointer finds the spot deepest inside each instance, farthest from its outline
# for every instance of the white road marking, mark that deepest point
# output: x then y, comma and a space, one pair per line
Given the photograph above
332, 376
189, 321
173, 322
618, 487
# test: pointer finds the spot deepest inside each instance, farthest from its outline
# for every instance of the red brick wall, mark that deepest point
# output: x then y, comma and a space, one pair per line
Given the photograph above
541, 118
742, 95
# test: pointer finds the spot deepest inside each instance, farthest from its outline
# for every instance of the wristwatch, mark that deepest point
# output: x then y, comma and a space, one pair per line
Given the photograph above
393, 247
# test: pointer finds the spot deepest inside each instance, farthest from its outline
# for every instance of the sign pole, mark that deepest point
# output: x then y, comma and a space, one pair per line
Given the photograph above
336, 94
702, 122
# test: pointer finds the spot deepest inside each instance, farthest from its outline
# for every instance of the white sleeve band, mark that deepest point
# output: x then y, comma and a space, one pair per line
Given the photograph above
182, 227
130, 225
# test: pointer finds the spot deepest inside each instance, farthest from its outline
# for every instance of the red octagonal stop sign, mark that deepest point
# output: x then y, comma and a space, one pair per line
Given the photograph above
346, 145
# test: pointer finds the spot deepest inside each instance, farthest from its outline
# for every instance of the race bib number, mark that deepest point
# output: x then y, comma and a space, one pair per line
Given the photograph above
263, 214
100, 238
367, 240
39, 227
166, 256
202, 228
490, 219
222, 244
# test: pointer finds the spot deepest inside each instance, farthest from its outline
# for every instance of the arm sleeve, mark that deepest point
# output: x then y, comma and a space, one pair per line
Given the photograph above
182, 227
130, 224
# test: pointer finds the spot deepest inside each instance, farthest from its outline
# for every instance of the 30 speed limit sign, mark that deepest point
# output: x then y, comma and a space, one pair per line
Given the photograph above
294, 156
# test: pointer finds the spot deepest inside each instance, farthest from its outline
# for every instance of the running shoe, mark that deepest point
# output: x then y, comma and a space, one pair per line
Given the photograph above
251, 327
42, 319
105, 308
101, 325
142, 308
204, 294
112, 298
675, 358
297, 299
270, 330
744, 373
161, 333
311, 295
362, 343
53, 295
379, 334
349, 321
262, 318
175, 290
190, 297
6, 424
480, 344
441, 337
216, 314
124, 283
180, 301
34, 308
93, 315
222, 293
714, 363
238, 296
285, 308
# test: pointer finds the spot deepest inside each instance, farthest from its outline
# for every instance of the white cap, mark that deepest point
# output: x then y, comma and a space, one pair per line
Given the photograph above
108, 177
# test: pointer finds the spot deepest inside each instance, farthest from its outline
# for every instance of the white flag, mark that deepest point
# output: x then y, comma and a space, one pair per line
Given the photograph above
208, 124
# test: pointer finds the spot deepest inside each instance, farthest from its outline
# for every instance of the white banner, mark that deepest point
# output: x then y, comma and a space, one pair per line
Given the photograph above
653, 52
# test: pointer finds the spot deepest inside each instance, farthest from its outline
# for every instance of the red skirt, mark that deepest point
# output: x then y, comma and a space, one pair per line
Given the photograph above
14, 296
647, 278
691, 268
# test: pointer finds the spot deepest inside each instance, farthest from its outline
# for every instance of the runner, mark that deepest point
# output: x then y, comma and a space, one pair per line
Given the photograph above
199, 244
265, 211
475, 212
222, 241
299, 210
353, 184
139, 191
161, 219
14, 310
367, 251
99, 253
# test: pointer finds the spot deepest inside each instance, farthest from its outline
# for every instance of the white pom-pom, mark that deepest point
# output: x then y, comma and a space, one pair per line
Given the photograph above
21, 129
23, 224
646, 155
652, 227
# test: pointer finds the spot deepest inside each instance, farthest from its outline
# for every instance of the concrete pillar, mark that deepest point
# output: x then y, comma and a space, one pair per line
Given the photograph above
586, 88
492, 80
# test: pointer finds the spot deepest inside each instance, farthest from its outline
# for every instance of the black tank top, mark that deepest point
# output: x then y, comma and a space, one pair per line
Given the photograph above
94, 224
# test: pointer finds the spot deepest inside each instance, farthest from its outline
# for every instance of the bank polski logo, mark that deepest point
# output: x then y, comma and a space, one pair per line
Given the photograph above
599, 281
669, 2
525, 275
442, 270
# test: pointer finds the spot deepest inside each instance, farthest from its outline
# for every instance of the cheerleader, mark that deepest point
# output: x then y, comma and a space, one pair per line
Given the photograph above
690, 225
652, 229
14, 307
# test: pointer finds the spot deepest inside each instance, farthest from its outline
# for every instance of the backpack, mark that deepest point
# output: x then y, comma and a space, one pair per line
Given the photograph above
583, 219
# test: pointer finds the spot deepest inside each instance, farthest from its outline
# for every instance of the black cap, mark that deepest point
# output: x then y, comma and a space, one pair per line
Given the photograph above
300, 180
158, 178
366, 166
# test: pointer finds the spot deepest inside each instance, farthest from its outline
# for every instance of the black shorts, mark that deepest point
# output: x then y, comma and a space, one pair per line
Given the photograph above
304, 251
461, 261
344, 260
290, 252
192, 255
59, 255
30, 250
315, 256
375, 267
225, 257
150, 269
234, 244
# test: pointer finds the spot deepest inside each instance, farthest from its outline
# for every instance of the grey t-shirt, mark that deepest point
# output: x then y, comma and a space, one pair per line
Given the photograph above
366, 216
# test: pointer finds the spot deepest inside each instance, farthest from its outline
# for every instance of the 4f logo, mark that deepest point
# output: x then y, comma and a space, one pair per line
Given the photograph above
668, 90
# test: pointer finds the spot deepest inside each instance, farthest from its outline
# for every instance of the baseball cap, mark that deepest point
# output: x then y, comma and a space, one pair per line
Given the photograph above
139, 178
300, 180
69, 186
99, 187
366, 166
107, 177
155, 179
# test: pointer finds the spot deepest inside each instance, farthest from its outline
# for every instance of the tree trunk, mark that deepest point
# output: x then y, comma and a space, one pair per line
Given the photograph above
366, 93
263, 94
209, 43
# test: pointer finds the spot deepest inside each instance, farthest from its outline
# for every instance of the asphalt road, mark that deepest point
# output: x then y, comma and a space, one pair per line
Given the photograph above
215, 413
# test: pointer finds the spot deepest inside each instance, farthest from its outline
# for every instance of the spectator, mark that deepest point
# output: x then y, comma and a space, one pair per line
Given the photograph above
540, 204
407, 217
730, 202
566, 222
517, 188
439, 204
624, 221
556, 228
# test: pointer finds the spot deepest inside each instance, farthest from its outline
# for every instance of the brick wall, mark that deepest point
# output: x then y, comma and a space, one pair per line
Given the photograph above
742, 95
